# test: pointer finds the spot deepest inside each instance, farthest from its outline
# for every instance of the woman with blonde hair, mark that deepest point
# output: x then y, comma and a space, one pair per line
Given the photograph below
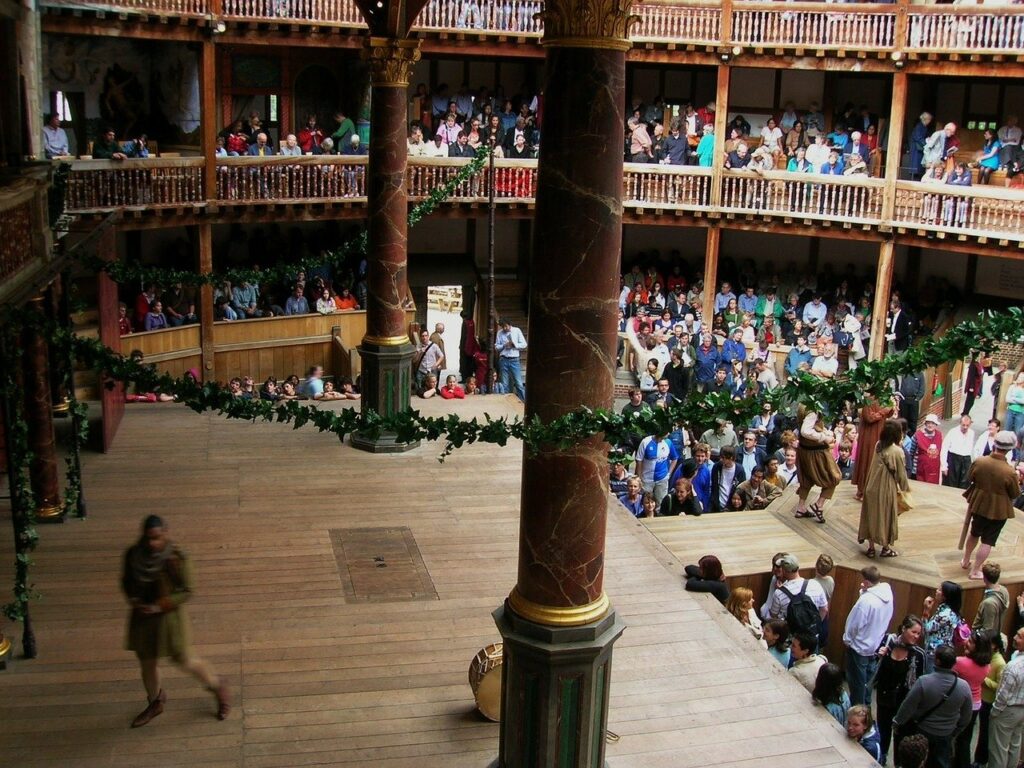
741, 605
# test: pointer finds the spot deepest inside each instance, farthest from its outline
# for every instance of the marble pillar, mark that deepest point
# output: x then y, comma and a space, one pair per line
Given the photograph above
386, 350
43, 471
557, 623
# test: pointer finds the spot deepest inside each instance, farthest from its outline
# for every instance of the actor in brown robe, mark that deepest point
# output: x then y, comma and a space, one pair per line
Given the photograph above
872, 419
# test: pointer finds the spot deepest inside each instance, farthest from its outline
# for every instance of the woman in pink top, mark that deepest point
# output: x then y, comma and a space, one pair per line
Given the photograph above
973, 667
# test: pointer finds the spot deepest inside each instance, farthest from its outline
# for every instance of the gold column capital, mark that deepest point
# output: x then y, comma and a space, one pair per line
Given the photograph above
390, 60
588, 24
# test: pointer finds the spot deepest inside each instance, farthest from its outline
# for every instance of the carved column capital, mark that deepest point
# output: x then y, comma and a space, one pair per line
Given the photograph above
390, 60
588, 23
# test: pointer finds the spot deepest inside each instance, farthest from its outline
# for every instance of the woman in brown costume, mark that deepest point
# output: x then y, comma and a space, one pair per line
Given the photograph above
157, 581
815, 465
879, 511
872, 419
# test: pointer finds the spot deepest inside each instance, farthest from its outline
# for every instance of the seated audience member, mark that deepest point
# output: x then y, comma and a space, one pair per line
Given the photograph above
55, 138
650, 505
633, 498
776, 636
136, 148
741, 605
681, 501
460, 147
269, 390
262, 147
825, 365
107, 148
325, 304
155, 319
310, 137
429, 388
330, 393
355, 147
451, 390
757, 493
297, 304
861, 728
249, 391
347, 389
830, 692
288, 392
124, 325
345, 301
739, 158
245, 298
497, 388
472, 388
326, 147
135, 396
313, 387
707, 576
618, 477
833, 166
235, 387
291, 146
806, 660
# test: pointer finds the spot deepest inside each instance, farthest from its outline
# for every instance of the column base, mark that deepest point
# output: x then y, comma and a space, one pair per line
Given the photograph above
385, 443
555, 683
50, 513
5, 651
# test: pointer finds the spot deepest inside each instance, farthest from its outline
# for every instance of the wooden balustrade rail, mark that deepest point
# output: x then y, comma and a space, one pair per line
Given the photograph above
152, 182
815, 25
980, 211
804, 195
666, 186
824, 26
309, 177
965, 29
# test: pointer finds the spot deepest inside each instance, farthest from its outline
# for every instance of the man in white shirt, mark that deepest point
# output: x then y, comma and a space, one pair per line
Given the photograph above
1007, 719
814, 312
787, 470
766, 377
825, 365
508, 344
865, 627
55, 140
722, 298
957, 451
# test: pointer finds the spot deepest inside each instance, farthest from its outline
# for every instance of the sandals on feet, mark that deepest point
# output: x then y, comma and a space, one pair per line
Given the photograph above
799, 515
819, 513
871, 552
888, 552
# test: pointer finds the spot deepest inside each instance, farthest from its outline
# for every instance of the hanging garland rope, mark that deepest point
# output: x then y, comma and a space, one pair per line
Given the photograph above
121, 272
868, 381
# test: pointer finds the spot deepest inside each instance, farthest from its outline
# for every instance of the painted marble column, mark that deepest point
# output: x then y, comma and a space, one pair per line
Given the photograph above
386, 350
557, 624
39, 418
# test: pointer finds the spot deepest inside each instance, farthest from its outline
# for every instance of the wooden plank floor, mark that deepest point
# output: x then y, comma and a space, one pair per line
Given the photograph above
321, 681
927, 543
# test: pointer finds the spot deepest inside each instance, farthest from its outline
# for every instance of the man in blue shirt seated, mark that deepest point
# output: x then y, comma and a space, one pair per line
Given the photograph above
747, 302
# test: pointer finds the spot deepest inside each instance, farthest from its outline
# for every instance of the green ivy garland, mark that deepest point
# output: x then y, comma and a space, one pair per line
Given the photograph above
121, 272
870, 380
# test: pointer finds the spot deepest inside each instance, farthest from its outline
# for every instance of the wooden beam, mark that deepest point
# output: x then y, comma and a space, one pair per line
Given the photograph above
711, 248
883, 286
208, 115
721, 117
205, 258
894, 147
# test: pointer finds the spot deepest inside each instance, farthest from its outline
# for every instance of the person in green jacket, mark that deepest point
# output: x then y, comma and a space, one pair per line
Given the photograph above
157, 581
706, 147
343, 133
768, 304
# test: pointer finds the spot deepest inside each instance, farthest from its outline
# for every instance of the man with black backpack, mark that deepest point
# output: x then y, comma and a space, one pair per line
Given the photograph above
801, 602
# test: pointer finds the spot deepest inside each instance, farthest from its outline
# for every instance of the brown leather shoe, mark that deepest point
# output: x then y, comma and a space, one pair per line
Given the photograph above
155, 707
223, 700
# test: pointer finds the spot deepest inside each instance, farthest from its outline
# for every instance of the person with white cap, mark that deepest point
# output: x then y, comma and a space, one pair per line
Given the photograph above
994, 486
928, 451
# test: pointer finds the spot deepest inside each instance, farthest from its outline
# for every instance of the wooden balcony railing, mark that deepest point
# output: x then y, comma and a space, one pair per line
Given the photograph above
804, 195
814, 25
981, 211
963, 29
665, 186
290, 179
822, 26
150, 183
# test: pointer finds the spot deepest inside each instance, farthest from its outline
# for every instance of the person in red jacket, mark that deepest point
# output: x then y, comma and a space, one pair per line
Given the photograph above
927, 450
311, 136
451, 390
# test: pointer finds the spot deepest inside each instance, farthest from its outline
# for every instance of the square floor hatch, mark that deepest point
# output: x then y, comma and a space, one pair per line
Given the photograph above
381, 565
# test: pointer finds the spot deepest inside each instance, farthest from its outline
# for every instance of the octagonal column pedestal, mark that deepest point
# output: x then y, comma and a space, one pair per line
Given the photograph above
554, 704
386, 350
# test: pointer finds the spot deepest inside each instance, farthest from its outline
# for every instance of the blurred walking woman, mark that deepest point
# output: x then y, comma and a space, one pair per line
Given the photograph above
879, 510
157, 581
816, 467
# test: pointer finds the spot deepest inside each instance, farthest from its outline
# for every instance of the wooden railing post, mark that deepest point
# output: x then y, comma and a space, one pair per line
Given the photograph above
901, 31
726, 31
894, 147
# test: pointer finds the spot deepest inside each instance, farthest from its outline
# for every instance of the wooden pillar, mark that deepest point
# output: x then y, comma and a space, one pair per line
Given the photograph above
30, 68
205, 259
111, 391
883, 286
385, 349
557, 624
721, 118
712, 245
894, 147
208, 115
39, 419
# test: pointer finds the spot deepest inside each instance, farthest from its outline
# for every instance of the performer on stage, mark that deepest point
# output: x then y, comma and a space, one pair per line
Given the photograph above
872, 419
815, 465
994, 486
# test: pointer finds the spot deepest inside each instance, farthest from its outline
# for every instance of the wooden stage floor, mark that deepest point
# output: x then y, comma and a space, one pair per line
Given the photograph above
746, 541
323, 677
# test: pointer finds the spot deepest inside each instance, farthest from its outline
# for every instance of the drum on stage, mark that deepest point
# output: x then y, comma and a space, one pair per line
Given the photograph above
485, 680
